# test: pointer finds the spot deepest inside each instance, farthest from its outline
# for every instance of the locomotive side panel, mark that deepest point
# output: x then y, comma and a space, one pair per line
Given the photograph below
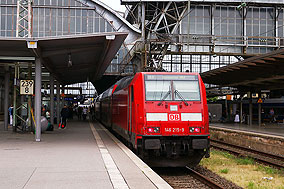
205, 106
119, 112
137, 110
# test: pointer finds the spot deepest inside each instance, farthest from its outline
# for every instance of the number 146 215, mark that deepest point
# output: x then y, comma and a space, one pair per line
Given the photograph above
174, 130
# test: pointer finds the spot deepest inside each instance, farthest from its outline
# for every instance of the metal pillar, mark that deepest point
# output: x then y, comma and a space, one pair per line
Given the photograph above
143, 36
259, 111
24, 18
188, 23
38, 98
63, 92
51, 99
15, 97
226, 108
241, 111
6, 99
250, 109
30, 101
245, 30
259, 114
58, 101
143, 16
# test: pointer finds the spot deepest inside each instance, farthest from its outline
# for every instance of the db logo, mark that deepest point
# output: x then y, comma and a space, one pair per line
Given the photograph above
174, 117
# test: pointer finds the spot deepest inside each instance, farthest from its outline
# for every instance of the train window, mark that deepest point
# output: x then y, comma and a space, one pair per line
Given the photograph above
157, 90
189, 90
171, 77
172, 90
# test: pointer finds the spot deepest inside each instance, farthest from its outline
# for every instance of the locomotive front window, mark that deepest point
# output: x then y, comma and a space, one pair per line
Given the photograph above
171, 90
156, 90
189, 90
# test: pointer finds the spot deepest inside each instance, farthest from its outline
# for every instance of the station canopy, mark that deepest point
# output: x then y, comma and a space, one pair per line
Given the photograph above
71, 59
256, 73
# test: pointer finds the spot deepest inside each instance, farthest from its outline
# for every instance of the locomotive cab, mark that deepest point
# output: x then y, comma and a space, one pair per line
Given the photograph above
175, 131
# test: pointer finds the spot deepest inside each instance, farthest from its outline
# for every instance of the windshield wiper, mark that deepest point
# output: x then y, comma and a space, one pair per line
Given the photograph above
164, 98
181, 97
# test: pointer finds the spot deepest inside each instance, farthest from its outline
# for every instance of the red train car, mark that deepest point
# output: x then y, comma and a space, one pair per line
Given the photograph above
163, 116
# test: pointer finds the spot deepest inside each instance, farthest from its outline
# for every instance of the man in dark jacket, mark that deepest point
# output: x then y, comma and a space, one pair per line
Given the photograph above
64, 114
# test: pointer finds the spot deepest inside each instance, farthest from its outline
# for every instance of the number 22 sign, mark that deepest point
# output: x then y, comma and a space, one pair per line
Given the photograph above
27, 87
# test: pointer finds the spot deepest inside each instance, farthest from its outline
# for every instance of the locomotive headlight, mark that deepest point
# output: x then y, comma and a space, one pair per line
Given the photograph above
153, 129
194, 129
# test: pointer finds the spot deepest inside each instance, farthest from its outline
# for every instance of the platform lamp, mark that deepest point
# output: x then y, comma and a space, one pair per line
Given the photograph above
243, 5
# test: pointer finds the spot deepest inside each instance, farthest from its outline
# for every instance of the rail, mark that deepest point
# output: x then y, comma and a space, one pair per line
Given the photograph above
204, 180
262, 157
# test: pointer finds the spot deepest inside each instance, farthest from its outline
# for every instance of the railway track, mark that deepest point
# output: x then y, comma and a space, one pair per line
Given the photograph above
205, 180
262, 157
198, 178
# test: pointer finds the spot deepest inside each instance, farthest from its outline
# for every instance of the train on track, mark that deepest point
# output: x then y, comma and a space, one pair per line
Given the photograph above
162, 116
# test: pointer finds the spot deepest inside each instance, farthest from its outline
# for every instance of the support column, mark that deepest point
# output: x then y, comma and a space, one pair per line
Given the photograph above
245, 30
15, 98
6, 99
38, 99
30, 101
241, 111
143, 17
51, 99
143, 36
63, 92
58, 101
259, 111
259, 114
250, 109
226, 108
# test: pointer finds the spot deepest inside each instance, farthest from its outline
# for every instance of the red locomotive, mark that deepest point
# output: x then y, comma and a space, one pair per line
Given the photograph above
163, 116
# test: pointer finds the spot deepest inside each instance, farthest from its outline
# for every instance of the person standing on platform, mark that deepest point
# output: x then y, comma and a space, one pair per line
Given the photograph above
11, 114
79, 113
237, 117
64, 114
85, 111
271, 113
262, 116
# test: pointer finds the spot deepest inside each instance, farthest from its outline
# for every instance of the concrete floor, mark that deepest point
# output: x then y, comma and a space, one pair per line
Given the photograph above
69, 158
276, 129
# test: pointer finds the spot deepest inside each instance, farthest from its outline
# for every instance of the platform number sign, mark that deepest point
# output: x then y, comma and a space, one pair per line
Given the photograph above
27, 87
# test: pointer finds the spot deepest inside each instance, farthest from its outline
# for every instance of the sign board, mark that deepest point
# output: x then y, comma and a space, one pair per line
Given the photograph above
265, 91
259, 101
229, 97
32, 44
27, 87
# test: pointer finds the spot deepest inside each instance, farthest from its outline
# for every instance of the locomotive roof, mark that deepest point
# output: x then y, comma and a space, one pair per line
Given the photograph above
124, 82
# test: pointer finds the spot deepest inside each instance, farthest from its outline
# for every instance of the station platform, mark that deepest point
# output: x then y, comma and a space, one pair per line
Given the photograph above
272, 129
84, 155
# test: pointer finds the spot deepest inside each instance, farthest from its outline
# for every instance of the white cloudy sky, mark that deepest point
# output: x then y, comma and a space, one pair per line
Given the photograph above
115, 4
